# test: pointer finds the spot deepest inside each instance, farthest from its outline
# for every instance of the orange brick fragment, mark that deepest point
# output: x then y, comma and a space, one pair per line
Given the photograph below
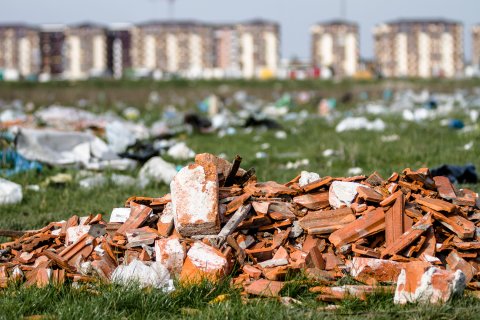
138, 216
408, 237
368, 224
325, 222
265, 288
437, 204
313, 201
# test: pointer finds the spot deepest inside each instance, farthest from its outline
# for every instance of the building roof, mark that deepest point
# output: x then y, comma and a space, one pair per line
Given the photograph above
88, 24
338, 22
423, 21
120, 26
52, 27
170, 23
259, 22
17, 25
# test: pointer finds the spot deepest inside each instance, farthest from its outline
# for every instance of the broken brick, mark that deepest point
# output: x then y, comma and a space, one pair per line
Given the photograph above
368, 224
265, 288
432, 286
195, 200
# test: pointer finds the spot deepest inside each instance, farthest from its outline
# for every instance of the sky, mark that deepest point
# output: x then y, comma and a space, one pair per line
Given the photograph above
295, 16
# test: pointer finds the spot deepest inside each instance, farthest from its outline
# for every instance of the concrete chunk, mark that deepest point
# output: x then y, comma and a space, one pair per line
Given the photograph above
170, 253
433, 286
195, 200
203, 262
342, 193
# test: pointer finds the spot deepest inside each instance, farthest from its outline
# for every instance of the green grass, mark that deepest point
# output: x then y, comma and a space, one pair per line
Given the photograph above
195, 302
421, 145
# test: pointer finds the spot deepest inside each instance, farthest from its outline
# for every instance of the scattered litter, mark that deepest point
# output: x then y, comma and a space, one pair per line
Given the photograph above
457, 174
17, 163
157, 170
180, 151
93, 182
261, 155
296, 164
328, 153
123, 180
355, 171
143, 274
281, 135
390, 138
10, 192
360, 123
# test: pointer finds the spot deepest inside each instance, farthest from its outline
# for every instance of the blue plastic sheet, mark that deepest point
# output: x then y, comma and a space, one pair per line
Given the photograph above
17, 163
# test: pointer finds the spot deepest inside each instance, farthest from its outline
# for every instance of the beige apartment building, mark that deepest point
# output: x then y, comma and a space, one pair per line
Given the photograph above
227, 51
259, 48
419, 48
85, 52
335, 45
476, 45
20, 49
174, 47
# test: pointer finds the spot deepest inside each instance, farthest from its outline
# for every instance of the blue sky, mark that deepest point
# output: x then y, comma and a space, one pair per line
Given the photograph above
295, 17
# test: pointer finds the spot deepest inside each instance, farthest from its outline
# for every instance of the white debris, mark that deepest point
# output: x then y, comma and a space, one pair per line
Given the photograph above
261, 155
297, 164
33, 187
281, 135
57, 148
144, 275
131, 113
436, 285
10, 192
360, 123
93, 182
118, 137
158, 170
342, 193
120, 215
265, 146
180, 151
308, 177
194, 192
390, 138
355, 171
206, 258
328, 153
123, 180
273, 263
296, 231
468, 146
170, 253
74, 233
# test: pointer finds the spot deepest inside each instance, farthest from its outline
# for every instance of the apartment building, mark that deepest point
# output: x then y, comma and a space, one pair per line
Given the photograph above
335, 45
19, 50
85, 51
52, 41
476, 45
119, 49
227, 51
419, 48
176, 47
259, 43
185, 48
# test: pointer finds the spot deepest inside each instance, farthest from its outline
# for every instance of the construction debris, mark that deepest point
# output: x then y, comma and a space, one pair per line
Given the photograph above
411, 231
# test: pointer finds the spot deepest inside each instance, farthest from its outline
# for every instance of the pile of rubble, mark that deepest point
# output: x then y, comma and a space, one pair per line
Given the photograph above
411, 234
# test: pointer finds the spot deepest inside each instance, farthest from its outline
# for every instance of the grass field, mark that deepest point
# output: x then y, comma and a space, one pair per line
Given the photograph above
425, 144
